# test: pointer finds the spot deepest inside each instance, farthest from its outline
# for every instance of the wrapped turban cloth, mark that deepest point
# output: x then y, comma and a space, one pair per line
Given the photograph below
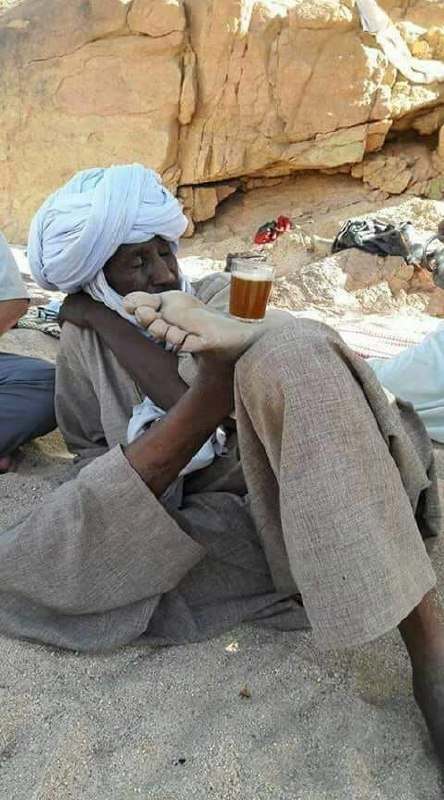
80, 226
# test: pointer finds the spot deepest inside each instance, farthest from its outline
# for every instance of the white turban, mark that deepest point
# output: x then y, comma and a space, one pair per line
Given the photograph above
80, 226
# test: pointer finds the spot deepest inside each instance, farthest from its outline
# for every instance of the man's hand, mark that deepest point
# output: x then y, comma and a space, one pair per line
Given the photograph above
79, 310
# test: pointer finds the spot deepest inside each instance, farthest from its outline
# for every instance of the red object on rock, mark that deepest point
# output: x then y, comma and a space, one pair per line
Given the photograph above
269, 231
283, 224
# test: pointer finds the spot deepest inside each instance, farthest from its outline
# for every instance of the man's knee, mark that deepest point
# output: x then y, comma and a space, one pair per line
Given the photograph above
26, 404
296, 345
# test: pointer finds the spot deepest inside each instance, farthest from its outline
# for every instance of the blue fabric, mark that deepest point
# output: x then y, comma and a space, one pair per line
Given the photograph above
80, 226
26, 400
417, 376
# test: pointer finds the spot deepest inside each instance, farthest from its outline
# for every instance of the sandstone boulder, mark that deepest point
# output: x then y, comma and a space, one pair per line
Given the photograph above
405, 166
371, 288
321, 284
204, 92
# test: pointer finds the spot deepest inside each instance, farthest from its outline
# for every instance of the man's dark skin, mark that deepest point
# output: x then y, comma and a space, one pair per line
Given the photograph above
147, 267
163, 451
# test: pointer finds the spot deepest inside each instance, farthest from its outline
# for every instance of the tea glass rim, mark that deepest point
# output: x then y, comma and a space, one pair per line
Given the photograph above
253, 265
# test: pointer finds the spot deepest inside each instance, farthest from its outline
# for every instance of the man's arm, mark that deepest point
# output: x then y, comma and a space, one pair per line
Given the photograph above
160, 454
152, 368
10, 313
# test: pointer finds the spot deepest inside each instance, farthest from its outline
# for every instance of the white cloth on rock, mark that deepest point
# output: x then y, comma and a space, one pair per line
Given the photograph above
375, 21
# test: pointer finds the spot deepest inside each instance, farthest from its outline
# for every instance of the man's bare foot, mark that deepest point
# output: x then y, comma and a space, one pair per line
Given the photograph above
189, 325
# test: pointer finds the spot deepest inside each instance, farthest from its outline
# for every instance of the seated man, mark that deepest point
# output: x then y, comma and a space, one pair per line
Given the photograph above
26, 384
318, 503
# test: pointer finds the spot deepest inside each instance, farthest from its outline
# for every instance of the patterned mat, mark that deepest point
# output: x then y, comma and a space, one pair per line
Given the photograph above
371, 342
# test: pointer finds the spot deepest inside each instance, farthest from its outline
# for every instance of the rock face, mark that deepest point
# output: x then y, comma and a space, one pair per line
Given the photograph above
308, 277
404, 167
353, 280
205, 91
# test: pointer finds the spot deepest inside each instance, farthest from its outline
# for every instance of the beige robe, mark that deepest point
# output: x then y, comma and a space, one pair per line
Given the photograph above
335, 477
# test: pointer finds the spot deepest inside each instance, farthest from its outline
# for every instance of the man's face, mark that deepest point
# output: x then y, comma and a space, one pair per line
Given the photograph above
147, 267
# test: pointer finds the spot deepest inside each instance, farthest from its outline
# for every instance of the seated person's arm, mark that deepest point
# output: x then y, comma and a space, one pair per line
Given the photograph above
10, 313
151, 367
13, 295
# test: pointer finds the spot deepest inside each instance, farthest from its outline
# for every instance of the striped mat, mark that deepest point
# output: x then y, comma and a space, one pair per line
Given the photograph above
371, 342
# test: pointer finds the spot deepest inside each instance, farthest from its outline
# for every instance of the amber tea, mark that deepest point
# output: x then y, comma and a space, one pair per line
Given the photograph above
251, 284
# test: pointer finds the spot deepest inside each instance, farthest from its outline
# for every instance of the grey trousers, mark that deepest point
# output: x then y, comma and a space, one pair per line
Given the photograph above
26, 400
334, 475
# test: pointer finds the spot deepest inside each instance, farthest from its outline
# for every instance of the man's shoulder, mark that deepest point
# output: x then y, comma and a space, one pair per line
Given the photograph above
213, 289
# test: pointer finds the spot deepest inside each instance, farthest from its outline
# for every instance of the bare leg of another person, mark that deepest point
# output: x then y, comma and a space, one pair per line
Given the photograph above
423, 634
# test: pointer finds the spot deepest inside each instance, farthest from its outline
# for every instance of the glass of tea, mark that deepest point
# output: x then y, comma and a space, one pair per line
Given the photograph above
251, 284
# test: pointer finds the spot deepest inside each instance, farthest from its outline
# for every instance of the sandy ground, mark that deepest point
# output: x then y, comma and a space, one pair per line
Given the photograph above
171, 724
